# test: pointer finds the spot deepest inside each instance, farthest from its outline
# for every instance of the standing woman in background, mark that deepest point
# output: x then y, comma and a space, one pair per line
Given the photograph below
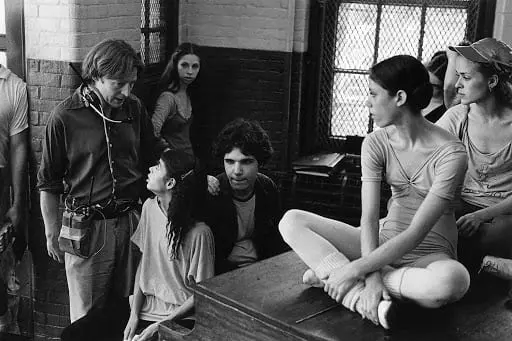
172, 116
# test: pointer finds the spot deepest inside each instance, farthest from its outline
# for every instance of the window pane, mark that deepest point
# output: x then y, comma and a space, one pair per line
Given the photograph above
399, 31
349, 113
3, 58
355, 36
154, 15
2, 16
153, 28
443, 27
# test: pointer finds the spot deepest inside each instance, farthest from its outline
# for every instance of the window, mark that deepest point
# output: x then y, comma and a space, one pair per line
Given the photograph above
354, 35
152, 31
158, 39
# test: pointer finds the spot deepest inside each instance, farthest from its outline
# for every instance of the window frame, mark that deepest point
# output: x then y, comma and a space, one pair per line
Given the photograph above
314, 134
171, 15
145, 88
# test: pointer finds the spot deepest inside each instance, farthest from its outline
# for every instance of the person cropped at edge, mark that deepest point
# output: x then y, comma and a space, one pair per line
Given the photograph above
483, 121
411, 253
98, 145
244, 215
436, 68
13, 165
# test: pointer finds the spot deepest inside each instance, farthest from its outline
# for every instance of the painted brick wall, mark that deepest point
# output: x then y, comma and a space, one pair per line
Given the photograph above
65, 30
251, 24
242, 83
279, 25
503, 21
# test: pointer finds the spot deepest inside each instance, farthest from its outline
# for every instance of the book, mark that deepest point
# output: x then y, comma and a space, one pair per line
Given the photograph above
320, 164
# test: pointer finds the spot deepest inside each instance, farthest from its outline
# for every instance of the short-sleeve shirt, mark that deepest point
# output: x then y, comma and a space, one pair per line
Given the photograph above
13, 110
441, 172
488, 180
164, 281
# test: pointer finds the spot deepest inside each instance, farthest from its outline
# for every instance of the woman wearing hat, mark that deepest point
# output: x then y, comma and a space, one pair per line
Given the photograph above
483, 121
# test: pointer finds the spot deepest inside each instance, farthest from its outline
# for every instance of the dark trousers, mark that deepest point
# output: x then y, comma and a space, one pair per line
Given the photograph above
104, 323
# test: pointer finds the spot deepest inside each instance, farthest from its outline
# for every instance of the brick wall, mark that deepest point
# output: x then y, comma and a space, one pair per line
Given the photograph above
49, 83
65, 30
251, 24
242, 83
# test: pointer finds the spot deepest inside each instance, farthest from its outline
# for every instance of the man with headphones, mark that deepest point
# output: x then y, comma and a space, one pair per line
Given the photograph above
99, 144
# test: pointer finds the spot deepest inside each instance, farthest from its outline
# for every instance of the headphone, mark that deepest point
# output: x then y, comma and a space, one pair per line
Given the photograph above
92, 100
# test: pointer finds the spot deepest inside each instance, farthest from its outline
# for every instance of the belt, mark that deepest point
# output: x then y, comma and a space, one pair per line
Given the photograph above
115, 209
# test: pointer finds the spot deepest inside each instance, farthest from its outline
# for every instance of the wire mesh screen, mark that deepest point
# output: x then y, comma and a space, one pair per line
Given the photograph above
153, 29
357, 34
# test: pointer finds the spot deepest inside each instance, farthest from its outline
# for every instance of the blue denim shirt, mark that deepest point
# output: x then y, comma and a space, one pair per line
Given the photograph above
75, 158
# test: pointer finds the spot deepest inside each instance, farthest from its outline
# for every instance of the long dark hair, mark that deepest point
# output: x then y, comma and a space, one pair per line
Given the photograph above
405, 73
180, 214
170, 80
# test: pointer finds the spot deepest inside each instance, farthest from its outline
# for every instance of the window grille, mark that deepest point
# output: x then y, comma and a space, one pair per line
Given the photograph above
354, 35
153, 32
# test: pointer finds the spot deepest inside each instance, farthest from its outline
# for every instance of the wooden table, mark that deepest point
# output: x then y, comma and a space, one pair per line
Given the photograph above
264, 301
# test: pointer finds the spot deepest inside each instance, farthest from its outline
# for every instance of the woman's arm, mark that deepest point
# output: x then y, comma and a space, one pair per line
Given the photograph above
370, 208
138, 300
427, 215
374, 290
152, 329
138, 295
502, 208
469, 223
184, 310
450, 79
165, 106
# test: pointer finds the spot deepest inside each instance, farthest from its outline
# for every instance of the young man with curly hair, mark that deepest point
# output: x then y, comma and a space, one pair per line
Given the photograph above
245, 214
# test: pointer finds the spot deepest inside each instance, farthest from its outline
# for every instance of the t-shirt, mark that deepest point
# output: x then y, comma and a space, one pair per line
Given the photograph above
489, 177
244, 252
440, 172
13, 110
163, 281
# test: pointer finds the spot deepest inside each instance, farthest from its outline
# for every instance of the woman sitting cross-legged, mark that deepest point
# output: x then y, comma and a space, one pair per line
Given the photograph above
411, 254
177, 250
